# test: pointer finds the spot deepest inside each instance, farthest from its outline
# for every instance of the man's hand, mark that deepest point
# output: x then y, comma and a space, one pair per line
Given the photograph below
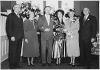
92, 39
12, 38
47, 29
26, 40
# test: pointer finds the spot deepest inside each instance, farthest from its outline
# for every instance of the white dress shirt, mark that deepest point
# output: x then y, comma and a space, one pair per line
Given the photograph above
17, 14
85, 17
48, 18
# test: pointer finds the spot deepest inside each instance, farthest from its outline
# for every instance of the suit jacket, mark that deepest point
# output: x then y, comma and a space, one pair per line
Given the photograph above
14, 26
42, 25
88, 29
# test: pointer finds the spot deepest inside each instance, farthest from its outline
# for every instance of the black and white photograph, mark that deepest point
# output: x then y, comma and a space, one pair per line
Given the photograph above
49, 34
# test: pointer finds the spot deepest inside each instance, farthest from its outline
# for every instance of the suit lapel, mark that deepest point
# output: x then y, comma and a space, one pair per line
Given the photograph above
46, 20
84, 22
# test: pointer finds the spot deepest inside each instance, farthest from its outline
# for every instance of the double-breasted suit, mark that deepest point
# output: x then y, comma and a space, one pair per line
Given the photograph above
14, 28
88, 30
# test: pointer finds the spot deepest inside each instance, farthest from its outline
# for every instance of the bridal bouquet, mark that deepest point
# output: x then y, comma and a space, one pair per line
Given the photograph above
58, 28
26, 7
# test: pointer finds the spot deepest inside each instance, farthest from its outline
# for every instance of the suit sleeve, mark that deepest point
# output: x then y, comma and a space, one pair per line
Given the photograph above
94, 27
9, 26
40, 25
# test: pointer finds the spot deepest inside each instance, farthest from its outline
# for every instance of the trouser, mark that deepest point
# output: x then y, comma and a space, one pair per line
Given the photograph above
85, 53
14, 52
46, 44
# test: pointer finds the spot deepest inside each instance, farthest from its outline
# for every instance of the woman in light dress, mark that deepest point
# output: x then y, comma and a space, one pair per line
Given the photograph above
72, 28
57, 48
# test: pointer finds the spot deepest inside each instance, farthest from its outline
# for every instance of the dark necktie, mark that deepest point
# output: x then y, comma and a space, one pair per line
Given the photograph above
84, 19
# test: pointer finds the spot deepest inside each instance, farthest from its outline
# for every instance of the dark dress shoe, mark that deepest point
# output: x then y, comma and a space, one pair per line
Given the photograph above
19, 67
43, 64
49, 64
88, 67
12, 67
79, 65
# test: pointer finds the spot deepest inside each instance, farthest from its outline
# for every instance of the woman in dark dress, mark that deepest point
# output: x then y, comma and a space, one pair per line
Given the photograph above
31, 47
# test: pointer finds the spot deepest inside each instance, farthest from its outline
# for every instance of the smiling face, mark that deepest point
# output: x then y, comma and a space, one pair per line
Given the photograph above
59, 14
47, 10
16, 8
86, 11
71, 14
31, 15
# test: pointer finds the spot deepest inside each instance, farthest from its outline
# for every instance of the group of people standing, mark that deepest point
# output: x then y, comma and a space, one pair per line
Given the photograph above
80, 32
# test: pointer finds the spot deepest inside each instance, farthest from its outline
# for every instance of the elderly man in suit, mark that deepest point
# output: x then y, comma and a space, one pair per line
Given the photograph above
88, 29
15, 33
46, 26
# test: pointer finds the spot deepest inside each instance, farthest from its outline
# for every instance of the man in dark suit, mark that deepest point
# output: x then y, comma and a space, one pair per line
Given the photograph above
15, 33
88, 29
46, 26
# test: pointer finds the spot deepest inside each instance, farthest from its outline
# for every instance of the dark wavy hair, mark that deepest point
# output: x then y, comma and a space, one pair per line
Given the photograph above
56, 14
70, 10
59, 11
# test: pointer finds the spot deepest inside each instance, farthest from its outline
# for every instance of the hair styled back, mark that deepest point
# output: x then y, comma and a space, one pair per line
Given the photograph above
70, 10
46, 7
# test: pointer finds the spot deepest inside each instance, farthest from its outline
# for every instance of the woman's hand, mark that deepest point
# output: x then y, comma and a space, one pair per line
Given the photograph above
26, 40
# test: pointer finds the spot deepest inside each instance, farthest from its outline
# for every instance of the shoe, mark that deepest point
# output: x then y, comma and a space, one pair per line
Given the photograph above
19, 67
32, 64
28, 65
43, 64
49, 64
12, 67
79, 65
57, 64
88, 67
69, 63
73, 65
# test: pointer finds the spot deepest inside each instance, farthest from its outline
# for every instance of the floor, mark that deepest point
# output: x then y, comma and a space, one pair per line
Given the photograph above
64, 65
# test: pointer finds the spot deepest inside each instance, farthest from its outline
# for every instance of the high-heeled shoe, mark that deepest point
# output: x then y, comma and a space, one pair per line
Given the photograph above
73, 65
70, 63
32, 64
28, 64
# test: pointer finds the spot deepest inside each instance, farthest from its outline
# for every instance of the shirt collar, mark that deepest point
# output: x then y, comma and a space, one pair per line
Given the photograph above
47, 15
87, 16
16, 13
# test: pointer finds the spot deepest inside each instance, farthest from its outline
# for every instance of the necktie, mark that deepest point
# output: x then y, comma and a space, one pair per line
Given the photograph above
18, 15
84, 19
